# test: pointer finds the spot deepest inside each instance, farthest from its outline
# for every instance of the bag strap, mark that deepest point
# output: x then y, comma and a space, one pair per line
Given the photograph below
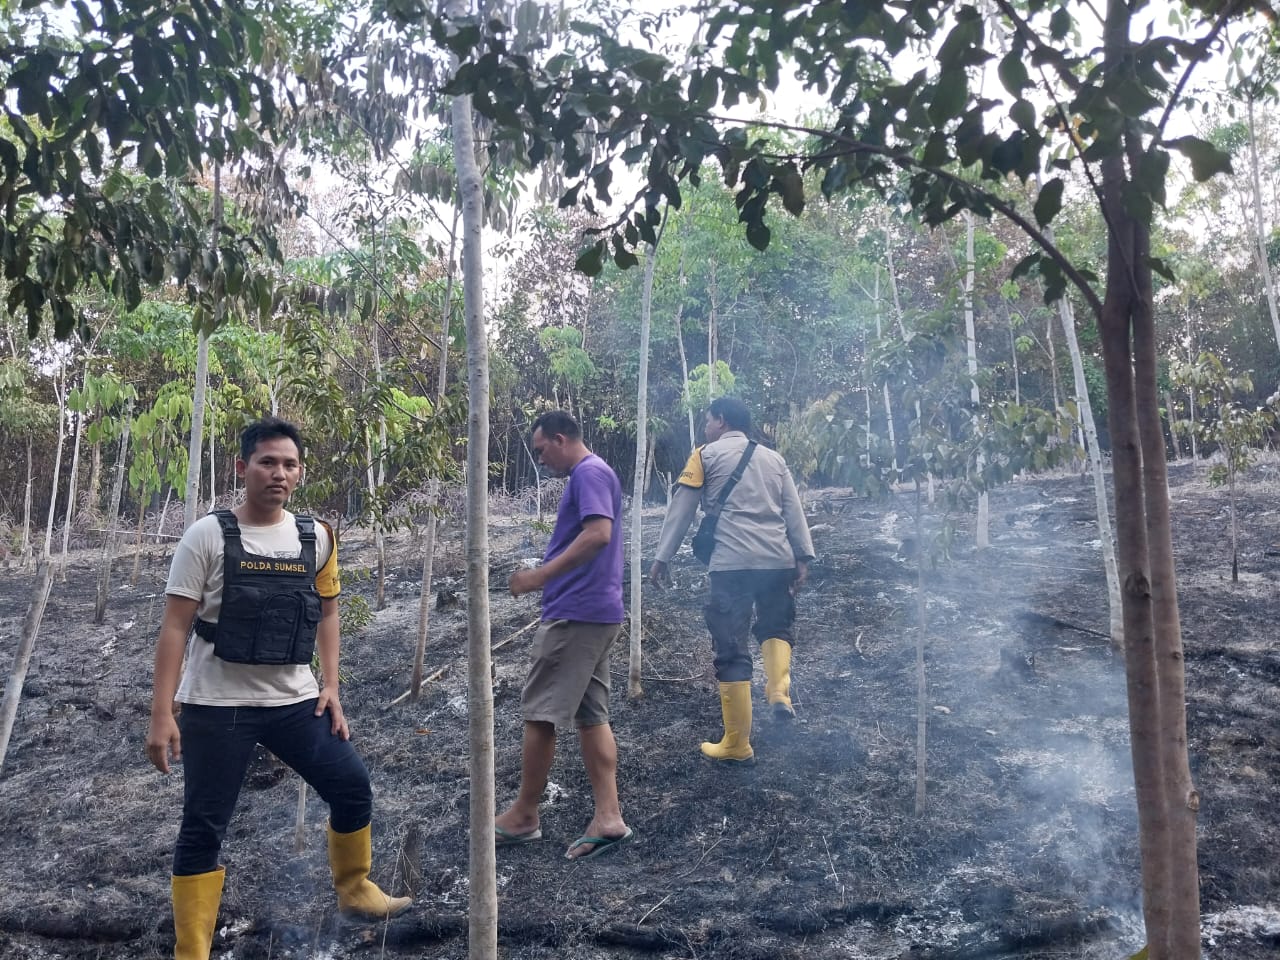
734, 477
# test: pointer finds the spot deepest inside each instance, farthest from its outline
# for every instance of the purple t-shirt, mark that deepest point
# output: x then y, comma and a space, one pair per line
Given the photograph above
591, 593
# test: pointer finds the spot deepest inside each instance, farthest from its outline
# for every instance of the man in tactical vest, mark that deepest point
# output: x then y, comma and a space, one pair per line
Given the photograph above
252, 593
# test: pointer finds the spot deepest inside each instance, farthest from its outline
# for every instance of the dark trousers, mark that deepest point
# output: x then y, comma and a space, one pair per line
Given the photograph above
217, 745
728, 614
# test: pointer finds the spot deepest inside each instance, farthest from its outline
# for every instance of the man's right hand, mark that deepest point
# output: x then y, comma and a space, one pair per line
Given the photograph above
163, 739
660, 574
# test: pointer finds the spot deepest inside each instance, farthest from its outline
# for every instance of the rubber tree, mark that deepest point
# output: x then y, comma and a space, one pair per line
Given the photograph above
1107, 128
482, 913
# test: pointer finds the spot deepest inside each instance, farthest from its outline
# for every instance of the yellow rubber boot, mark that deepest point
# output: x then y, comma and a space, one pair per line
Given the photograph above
735, 704
777, 677
351, 859
195, 913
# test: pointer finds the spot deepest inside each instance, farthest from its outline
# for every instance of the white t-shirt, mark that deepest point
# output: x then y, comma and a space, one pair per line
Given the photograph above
196, 573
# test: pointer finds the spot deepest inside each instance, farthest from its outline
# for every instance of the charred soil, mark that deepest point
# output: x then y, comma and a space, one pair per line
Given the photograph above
1027, 848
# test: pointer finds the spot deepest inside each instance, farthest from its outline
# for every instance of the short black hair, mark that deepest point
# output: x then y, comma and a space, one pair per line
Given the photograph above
268, 428
557, 421
733, 411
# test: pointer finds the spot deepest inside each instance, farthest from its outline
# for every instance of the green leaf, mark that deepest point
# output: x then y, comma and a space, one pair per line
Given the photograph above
1013, 73
1206, 159
1060, 23
1023, 114
591, 260
1162, 268
1049, 202
758, 235
791, 185
950, 96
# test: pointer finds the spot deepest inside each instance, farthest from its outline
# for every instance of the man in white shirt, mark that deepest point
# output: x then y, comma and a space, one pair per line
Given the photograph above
252, 594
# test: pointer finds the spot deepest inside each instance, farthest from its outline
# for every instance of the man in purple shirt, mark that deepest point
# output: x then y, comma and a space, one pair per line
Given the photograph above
581, 583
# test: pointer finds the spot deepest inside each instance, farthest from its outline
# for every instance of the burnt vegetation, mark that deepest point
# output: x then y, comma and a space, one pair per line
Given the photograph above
1027, 849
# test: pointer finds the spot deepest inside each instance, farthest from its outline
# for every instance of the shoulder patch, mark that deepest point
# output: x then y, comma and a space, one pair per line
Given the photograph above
693, 475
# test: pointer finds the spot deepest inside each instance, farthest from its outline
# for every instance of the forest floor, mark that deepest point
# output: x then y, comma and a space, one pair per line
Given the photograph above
1027, 849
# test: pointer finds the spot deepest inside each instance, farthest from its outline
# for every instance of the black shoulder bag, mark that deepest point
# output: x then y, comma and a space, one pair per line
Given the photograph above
704, 541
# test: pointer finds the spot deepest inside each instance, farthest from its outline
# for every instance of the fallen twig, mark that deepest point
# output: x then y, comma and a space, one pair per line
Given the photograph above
435, 676
650, 911
502, 643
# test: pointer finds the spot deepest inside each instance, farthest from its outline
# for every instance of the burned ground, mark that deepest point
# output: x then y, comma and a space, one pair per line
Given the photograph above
1027, 849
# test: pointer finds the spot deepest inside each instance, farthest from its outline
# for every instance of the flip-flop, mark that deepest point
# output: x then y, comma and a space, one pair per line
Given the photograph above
505, 838
601, 844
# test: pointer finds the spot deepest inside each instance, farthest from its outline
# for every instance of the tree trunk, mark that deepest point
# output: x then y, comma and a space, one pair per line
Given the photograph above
137, 538
377, 471
109, 538
684, 360
1094, 453
982, 523
93, 492
714, 303
1167, 800
922, 677
1260, 230
482, 914
71, 489
634, 686
27, 552
27, 643
433, 497
1171, 418
195, 448
61, 393
164, 513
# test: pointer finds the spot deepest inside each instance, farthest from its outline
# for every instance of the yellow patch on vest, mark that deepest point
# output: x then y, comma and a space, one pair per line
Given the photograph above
328, 581
692, 475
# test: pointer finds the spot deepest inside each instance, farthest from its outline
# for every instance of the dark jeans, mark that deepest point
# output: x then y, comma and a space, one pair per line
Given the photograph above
217, 745
728, 615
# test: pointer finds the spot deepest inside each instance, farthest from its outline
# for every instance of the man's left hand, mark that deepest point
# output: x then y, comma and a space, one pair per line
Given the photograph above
329, 701
802, 574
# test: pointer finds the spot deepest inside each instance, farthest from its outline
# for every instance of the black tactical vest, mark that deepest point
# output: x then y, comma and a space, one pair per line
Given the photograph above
270, 608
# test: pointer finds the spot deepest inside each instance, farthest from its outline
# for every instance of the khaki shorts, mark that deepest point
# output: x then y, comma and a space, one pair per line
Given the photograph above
569, 676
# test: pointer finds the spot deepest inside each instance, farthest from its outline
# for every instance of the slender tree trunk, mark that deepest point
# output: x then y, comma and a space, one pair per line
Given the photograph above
27, 552
46, 552
482, 914
1171, 417
195, 448
213, 463
164, 514
890, 429
93, 493
71, 489
1260, 230
1231, 503
684, 360
377, 471
922, 677
1094, 453
433, 496
113, 514
26, 644
902, 324
137, 538
713, 298
982, 524
634, 687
